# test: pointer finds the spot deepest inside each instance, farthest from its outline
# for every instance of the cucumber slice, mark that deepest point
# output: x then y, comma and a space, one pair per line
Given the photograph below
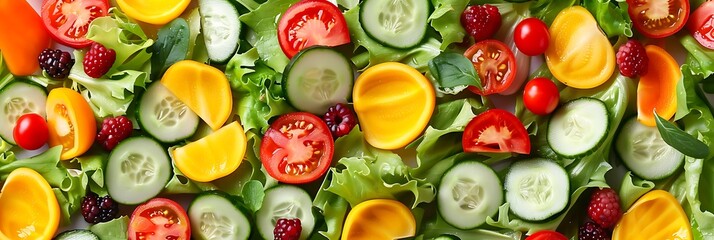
213, 215
163, 116
17, 99
537, 189
318, 78
643, 151
221, 28
76, 234
395, 23
578, 127
469, 193
137, 170
285, 201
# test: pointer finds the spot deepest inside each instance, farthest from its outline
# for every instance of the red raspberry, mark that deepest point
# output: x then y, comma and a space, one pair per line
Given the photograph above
591, 231
287, 229
604, 207
98, 60
340, 119
481, 21
114, 130
632, 59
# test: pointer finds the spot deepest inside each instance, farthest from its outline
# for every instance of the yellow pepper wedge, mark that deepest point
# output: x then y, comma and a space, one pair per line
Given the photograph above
379, 219
71, 122
158, 12
656, 215
203, 88
394, 103
214, 156
28, 207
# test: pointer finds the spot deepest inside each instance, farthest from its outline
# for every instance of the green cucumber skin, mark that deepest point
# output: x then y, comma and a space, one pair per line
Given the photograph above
592, 150
138, 114
76, 234
241, 33
235, 201
424, 38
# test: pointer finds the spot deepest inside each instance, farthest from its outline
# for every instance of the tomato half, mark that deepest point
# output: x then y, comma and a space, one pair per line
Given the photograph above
495, 65
297, 148
71, 122
496, 130
541, 96
30, 131
159, 218
309, 23
531, 36
701, 25
657, 18
547, 235
68, 20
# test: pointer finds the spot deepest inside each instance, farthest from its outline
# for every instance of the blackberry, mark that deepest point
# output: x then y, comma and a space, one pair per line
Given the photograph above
591, 231
97, 209
56, 63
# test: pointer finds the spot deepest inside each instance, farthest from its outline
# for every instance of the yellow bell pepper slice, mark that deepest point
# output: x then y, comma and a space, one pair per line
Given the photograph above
28, 207
579, 54
203, 88
158, 12
656, 215
379, 219
71, 122
213, 156
394, 103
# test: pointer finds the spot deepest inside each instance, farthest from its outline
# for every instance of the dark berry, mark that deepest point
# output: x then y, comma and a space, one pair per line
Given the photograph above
340, 119
287, 229
56, 63
632, 59
97, 209
98, 60
114, 130
591, 231
481, 21
604, 207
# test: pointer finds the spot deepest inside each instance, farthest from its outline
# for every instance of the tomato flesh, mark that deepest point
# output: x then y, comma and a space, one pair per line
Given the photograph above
495, 64
496, 130
68, 20
31, 131
159, 218
309, 23
658, 18
701, 25
547, 235
297, 148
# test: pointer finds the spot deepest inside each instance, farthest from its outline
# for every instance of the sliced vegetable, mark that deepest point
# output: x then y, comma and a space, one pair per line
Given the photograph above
154, 12
547, 235
537, 189
379, 219
30, 209
657, 88
76, 234
656, 18
71, 122
644, 152
16, 99
163, 116
309, 23
221, 28
495, 65
665, 219
213, 156
496, 130
159, 218
701, 24
214, 215
68, 20
393, 103
395, 23
578, 127
469, 193
31, 131
137, 170
285, 201
23, 37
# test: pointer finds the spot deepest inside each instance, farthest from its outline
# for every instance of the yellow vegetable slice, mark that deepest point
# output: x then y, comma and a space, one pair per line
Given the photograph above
158, 12
213, 156
394, 103
656, 215
379, 219
28, 207
202, 88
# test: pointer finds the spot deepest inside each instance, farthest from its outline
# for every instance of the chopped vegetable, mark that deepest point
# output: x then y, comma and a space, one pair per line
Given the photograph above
71, 122
656, 90
379, 219
214, 156
35, 213
23, 37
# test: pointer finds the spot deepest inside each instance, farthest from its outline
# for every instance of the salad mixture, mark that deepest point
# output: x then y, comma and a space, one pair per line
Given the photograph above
349, 119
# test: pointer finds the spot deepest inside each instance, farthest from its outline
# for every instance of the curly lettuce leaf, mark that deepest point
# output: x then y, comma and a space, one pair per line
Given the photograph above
92, 166
612, 18
264, 22
439, 227
5, 76
114, 229
125, 37
633, 188
446, 20
546, 10
699, 59
332, 208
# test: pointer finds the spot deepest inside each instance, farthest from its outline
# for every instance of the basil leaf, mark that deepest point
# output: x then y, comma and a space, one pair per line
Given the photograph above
453, 73
680, 140
170, 47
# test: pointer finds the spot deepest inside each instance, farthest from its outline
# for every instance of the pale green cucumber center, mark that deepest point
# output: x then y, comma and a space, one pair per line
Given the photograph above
467, 193
139, 168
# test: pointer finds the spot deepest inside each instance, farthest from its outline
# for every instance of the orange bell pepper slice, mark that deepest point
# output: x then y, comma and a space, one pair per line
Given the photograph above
23, 36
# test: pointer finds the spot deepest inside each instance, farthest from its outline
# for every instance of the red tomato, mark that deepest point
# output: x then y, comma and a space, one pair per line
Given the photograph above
701, 25
496, 130
656, 18
297, 148
547, 235
309, 23
495, 65
531, 36
159, 218
68, 20
541, 96
30, 131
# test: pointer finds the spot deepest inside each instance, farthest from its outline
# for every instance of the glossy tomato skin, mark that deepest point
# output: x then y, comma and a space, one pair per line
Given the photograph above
159, 210
642, 14
31, 131
701, 24
496, 130
311, 22
531, 36
297, 148
541, 96
61, 26
495, 65
547, 235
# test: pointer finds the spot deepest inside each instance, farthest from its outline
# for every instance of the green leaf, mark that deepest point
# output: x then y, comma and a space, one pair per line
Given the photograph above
613, 19
171, 46
699, 59
333, 208
125, 37
546, 10
5, 76
253, 195
453, 73
114, 229
680, 140
446, 20
633, 188
264, 22
92, 166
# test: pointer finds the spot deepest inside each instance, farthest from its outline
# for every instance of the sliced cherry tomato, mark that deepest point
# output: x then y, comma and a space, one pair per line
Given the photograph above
297, 148
531, 36
541, 96
31, 131
495, 65
657, 18
309, 23
159, 218
70, 121
496, 130
68, 20
701, 25
547, 235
